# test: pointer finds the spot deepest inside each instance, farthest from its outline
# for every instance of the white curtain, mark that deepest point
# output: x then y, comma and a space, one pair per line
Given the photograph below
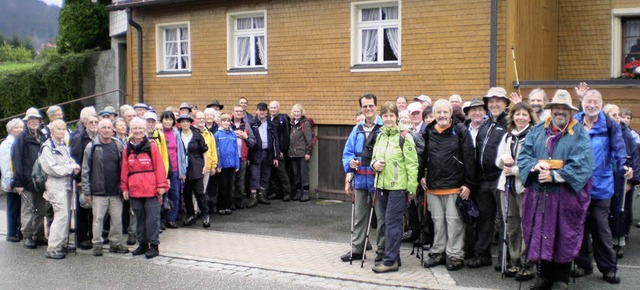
390, 12
184, 47
260, 46
370, 36
392, 37
371, 14
258, 22
171, 49
243, 23
242, 51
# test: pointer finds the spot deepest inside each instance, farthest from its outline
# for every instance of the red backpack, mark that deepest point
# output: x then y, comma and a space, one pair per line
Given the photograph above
312, 124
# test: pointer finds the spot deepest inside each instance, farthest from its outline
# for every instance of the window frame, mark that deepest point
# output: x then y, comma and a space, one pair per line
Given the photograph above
617, 55
232, 34
356, 37
161, 71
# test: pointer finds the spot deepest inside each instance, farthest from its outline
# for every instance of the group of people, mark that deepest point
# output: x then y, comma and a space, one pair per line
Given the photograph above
552, 181
135, 174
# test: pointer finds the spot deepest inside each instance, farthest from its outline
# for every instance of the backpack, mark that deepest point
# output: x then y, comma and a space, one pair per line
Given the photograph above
38, 176
312, 124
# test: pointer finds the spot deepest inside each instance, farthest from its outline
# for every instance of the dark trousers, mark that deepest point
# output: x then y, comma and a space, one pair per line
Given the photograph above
485, 225
280, 185
147, 211
555, 271
84, 223
239, 183
13, 214
597, 225
225, 187
212, 191
300, 172
261, 172
191, 187
174, 196
392, 205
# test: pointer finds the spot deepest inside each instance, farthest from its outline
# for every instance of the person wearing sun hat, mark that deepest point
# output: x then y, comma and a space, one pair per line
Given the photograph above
24, 152
215, 104
490, 134
141, 108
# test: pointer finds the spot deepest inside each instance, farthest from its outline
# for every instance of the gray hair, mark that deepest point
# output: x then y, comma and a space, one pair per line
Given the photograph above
58, 124
442, 102
125, 108
52, 110
13, 123
86, 112
539, 91
138, 120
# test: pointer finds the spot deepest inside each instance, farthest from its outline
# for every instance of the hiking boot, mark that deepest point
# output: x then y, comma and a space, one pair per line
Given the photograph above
141, 249
511, 271
118, 249
305, 196
13, 239
206, 221
525, 274
454, 263
349, 257
172, 225
41, 241
56, 255
286, 197
298, 194
477, 262
97, 250
131, 240
435, 259
382, 268
152, 252
29, 243
272, 196
262, 199
542, 284
579, 272
611, 277
189, 221
253, 201
86, 245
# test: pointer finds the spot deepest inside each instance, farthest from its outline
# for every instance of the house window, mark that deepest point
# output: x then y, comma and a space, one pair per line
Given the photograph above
248, 42
377, 34
631, 39
174, 48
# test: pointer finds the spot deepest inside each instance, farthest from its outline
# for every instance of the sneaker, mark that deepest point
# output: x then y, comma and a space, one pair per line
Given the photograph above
511, 271
97, 251
477, 262
131, 240
382, 268
580, 272
56, 255
349, 257
435, 259
118, 249
454, 263
611, 277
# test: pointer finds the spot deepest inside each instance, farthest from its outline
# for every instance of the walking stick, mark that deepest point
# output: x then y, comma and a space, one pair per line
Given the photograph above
515, 68
353, 214
71, 214
507, 188
621, 218
366, 238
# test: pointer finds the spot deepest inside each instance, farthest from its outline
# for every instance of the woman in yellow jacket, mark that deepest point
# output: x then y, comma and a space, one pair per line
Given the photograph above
396, 164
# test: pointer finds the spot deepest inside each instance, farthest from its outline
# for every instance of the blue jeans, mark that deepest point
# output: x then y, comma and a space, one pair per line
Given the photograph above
392, 204
13, 214
147, 211
174, 196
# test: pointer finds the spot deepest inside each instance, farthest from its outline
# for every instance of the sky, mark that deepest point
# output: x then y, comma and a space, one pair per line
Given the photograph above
54, 2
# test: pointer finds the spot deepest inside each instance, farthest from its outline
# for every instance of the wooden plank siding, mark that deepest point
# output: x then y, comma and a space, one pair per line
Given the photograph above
445, 50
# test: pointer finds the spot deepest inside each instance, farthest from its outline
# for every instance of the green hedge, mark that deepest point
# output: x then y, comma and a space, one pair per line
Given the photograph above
83, 25
51, 81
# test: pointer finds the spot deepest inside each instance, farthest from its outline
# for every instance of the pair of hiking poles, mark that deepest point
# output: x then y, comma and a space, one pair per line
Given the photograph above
353, 214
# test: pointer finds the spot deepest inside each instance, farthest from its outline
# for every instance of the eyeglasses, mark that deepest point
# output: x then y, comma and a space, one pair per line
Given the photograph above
368, 106
93, 122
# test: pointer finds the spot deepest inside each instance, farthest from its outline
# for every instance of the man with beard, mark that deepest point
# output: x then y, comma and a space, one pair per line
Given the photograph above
487, 196
555, 166
610, 154
538, 99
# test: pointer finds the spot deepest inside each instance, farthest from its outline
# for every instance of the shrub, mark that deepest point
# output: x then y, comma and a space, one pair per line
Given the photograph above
10, 53
83, 25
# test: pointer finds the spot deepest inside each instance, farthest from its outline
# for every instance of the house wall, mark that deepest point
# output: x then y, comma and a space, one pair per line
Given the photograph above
445, 50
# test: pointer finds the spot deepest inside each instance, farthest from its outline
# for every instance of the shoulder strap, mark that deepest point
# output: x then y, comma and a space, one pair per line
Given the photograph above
401, 141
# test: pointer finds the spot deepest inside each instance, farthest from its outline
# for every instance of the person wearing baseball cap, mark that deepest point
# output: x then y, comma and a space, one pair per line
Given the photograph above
415, 114
141, 108
108, 113
489, 137
424, 100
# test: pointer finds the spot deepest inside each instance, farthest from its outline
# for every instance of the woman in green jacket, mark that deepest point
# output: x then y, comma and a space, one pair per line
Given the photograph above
396, 162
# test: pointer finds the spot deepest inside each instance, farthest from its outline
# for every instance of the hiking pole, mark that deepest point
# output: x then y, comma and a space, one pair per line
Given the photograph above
507, 188
366, 238
621, 219
70, 217
515, 68
32, 209
353, 216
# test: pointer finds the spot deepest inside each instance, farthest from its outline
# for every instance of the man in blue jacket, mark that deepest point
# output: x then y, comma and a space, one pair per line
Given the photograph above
356, 160
609, 151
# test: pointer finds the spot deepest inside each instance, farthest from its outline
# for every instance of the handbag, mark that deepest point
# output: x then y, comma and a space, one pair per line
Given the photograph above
467, 209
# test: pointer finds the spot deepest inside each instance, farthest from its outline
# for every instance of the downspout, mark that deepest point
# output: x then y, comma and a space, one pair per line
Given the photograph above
140, 68
493, 43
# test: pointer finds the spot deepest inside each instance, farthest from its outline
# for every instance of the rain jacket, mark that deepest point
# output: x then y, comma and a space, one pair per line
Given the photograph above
227, 148
143, 172
56, 162
401, 170
354, 147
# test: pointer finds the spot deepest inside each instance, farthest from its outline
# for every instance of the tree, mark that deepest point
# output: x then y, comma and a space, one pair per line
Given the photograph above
83, 25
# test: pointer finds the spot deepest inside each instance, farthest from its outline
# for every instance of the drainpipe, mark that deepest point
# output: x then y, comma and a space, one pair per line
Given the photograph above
493, 43
140, 67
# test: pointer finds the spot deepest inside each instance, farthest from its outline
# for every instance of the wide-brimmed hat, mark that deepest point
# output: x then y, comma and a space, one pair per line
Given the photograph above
475, 102
184, 117
497, 92
185, 105
561, 97
150, 115
215, 103
423, 98
32, 113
